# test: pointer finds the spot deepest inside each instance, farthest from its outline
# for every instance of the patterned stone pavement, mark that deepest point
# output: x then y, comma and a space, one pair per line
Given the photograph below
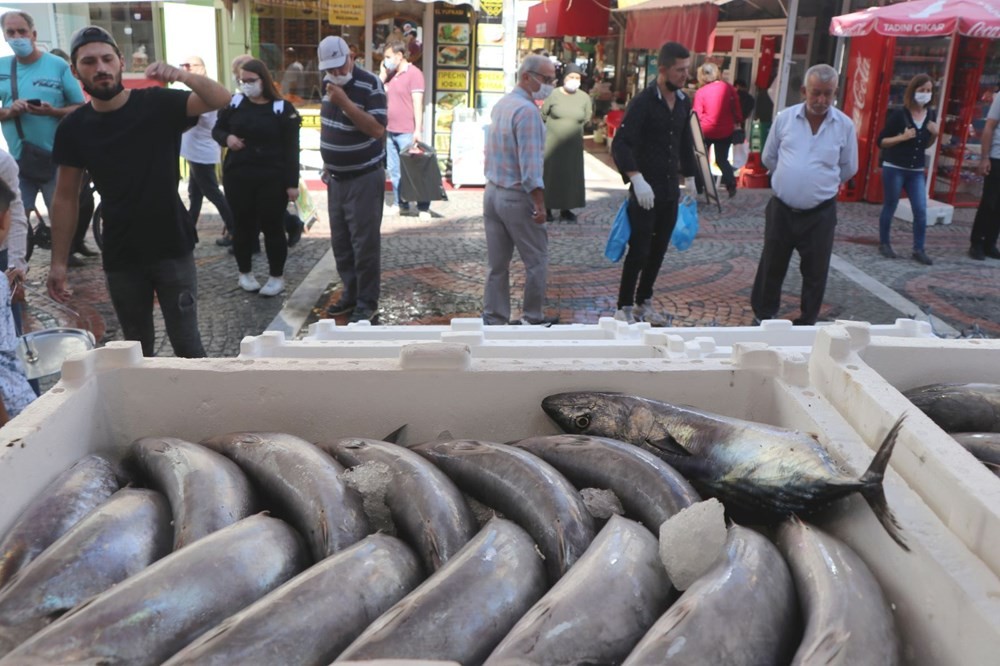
433, 271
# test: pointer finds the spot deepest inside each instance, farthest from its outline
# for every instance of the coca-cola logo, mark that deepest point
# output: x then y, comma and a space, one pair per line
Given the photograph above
984, 30
859, 89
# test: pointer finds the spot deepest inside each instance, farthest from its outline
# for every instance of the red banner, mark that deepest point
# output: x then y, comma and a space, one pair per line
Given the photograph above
692, 25
766, 62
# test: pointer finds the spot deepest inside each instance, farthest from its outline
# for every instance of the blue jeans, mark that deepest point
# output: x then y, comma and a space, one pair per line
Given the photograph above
395, 144
893, 182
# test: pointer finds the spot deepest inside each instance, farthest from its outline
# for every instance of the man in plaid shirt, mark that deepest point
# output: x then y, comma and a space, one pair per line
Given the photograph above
514, 205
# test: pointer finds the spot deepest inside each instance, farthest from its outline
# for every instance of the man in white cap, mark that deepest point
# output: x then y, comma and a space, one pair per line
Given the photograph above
352, 141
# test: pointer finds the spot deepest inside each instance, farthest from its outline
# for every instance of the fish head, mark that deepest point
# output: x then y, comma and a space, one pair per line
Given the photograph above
588, 413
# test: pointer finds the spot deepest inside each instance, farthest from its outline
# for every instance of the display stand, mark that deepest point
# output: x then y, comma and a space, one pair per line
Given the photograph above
468, 148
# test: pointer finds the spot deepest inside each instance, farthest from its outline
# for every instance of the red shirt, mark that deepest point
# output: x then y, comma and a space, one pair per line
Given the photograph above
399, 91
718, 109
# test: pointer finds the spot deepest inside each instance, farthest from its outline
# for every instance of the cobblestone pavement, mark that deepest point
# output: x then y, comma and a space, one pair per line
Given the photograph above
433, 271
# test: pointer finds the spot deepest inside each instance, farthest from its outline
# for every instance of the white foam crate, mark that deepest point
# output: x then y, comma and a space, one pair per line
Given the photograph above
607, 339
938, 212
863, 378
946, 600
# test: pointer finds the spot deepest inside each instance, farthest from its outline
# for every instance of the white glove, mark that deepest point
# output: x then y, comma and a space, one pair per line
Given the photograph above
643, 191
690, 186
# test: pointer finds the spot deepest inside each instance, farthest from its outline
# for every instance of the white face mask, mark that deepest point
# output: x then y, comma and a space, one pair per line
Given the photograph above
571, 85
339, 79
922, 98
543, 92
252, 89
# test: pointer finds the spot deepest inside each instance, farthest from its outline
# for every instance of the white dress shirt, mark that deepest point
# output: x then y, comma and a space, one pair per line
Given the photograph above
197, 144
808, 169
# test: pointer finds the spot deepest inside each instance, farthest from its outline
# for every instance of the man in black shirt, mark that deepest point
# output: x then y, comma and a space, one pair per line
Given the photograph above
746, 99
129, 141
652, 149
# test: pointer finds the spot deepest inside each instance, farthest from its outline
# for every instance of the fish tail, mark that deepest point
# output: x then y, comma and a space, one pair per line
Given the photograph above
872, 489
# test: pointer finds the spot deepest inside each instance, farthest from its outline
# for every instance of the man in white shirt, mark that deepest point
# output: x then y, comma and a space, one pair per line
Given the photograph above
811, 150
986, 227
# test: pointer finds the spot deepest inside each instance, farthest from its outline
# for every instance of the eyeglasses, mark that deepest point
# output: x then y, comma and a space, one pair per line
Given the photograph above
543, 78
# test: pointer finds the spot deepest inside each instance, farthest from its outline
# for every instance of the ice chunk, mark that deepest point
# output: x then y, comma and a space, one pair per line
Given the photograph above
372, 480
601, 503
692, 540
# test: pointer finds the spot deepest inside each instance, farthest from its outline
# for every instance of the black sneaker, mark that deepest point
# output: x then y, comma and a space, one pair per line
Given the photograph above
224, 241
363, 314
567, 216
992, 252
976, 252
920, 257
339, 308
886, 251
84, 251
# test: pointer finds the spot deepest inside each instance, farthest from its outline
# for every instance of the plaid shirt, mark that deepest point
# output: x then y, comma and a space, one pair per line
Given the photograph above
515, 143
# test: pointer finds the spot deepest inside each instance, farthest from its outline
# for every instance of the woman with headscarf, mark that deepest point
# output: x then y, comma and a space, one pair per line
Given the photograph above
565, 113
720, 114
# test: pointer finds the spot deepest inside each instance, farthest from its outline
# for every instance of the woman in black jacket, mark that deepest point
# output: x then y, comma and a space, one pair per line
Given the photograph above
908, 131
260, 172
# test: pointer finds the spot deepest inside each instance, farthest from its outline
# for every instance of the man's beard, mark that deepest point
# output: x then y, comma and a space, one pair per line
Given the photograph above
104, 93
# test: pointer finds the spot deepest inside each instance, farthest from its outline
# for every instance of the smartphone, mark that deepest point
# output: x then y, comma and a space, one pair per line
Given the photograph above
34, 102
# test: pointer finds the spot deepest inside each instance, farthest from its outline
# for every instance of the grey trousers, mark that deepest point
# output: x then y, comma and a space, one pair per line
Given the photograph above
355, 208
508, 224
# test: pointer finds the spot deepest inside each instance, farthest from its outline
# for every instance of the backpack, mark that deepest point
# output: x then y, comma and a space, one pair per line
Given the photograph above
278, 105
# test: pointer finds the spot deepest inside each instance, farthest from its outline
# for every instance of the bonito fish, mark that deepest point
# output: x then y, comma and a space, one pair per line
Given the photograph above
959, 407
752, 466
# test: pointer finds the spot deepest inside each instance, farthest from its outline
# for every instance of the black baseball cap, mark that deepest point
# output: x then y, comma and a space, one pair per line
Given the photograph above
89, 35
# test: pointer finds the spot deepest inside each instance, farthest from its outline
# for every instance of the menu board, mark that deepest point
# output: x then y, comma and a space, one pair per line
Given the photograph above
489, 76
453, 59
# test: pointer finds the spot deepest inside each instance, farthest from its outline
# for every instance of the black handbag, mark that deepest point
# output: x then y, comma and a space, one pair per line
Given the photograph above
420, 176
35, 163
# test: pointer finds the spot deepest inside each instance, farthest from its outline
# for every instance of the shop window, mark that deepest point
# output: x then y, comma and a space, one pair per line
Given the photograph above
801, 44
748, 43
131, 24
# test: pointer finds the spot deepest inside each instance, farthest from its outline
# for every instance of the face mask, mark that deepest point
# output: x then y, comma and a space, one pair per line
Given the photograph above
252, 89
391, 65
339, 79
571, 85
922, 98
543, 92
21, 46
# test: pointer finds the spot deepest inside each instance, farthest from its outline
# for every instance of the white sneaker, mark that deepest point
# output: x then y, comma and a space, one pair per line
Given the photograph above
274, 286
625, 314
424, 216
248, 282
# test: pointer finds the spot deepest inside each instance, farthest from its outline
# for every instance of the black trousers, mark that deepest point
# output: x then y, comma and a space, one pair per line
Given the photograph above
986, 227
258, 204
203, 184
647, 246
811, 234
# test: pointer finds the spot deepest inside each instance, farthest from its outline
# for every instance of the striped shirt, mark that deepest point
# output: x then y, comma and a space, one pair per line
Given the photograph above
515, 143
344, 147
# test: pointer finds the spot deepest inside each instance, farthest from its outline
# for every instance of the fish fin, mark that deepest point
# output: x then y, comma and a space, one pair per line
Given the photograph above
827, 650
444, 436
992, 466
393, 437
669, 445
872, 489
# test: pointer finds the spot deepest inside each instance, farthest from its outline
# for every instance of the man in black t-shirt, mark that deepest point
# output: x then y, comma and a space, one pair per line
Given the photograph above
129, 142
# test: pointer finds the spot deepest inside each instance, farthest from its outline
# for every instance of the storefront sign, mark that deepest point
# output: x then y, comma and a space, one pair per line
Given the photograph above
347, 12
452, 80
489, 81
310, 120
491, 7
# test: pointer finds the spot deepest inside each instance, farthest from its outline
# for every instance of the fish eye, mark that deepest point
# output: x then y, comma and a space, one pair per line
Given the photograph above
582, 422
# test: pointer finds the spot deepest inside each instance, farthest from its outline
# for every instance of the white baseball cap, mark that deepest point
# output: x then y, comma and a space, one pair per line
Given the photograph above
332, 52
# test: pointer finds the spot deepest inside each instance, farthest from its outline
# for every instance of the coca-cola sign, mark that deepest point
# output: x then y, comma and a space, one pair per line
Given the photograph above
859, 90
984, 30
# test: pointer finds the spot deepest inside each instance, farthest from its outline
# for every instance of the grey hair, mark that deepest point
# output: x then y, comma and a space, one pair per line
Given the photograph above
825, 74
531, 63
25, 15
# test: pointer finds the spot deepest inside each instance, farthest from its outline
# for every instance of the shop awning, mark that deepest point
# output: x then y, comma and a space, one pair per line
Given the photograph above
923, 18
653, 23
576, 18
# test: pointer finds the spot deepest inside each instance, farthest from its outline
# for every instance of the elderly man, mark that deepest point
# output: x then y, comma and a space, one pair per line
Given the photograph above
129, 141
352, 132
811, 150
514, 202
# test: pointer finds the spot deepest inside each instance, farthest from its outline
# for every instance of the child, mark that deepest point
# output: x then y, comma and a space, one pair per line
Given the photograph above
15, 391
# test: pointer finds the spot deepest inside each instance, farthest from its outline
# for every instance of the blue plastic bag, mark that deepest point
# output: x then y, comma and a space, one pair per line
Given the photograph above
687, 224
620, 232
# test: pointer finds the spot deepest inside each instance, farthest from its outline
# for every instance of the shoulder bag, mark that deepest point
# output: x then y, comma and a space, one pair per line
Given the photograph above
36, 163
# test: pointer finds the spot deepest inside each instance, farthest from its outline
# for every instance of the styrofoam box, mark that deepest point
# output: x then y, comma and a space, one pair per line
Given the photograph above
863, 379
607, 339
938, 212
946, 600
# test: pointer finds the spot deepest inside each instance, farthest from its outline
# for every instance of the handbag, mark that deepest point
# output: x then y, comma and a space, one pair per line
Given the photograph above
419, 175
621, 230
687, 224
36, 163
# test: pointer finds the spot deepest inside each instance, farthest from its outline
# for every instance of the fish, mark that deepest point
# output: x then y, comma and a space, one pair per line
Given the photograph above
847, 618
464, 608
207, 491
118, 539
743, 612
600, 609
316, 615
152, 615
649, 489
71, 496
764, 471
525, 489
959, 407
427, 508
302, 484
985, 446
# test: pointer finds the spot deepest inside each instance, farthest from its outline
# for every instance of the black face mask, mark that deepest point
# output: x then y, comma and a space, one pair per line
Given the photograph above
104, 94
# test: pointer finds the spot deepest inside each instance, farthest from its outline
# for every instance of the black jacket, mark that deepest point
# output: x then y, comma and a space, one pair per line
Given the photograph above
908, 154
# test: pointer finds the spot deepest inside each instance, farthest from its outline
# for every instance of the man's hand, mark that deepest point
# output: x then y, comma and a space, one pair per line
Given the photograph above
164, 73
643, 191
235, 143
18, 107
538, 214
15, 278
293, 193
337, 95
57, 284
984, 167
43, 109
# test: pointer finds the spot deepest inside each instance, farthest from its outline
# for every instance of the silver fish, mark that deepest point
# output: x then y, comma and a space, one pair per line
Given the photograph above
426, 507
207, 491
313, 617
847, 619
985, 446
525, 489
150, 616
743, 612
466, 607
649, 489
959, 407
304, 485
763, 470
116, 540
621, 575
71, 496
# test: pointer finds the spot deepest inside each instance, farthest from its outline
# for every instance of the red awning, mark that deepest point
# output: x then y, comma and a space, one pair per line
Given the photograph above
576, 18
654, 23
923, 18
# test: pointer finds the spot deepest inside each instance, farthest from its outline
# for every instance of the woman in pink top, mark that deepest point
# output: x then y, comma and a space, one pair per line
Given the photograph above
718, 109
